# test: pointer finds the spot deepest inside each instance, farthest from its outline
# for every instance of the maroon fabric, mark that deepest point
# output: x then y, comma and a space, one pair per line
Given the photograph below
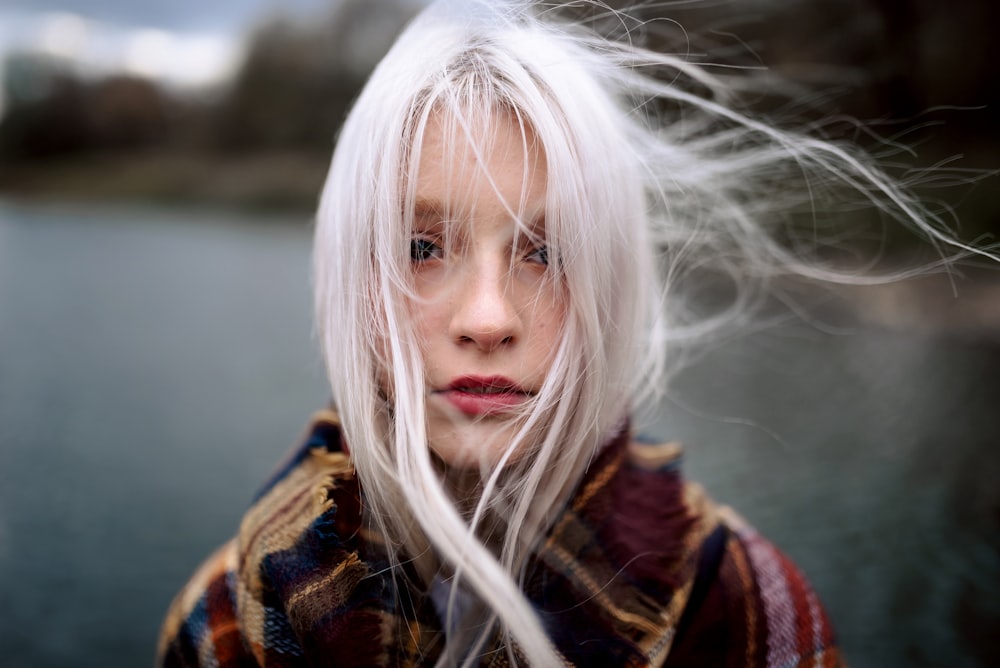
640, 569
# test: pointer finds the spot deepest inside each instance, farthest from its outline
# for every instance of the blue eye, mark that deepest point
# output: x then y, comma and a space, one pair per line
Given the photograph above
539, 255
422, 249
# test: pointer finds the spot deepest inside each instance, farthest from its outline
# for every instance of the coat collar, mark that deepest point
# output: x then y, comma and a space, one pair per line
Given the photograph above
610, 580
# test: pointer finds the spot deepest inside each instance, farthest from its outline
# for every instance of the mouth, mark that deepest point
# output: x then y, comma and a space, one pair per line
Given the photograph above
485, 385
485, 395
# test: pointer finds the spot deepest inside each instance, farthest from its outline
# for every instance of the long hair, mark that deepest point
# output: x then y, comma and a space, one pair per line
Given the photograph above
650, 169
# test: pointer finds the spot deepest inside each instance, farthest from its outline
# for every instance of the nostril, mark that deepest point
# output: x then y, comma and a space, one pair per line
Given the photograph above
486, 341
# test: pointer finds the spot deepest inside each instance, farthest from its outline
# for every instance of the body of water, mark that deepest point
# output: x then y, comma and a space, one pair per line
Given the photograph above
155, 365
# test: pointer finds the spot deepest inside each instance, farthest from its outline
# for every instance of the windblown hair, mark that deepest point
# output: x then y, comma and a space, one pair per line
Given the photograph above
649, 169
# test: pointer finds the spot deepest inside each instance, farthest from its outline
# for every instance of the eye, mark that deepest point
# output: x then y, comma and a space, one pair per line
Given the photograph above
539, 254
423, 249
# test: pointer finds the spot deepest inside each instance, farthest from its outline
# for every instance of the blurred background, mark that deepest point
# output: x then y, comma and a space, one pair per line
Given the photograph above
159, 163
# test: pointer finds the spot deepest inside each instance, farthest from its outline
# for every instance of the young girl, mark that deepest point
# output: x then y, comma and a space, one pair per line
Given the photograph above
511, 206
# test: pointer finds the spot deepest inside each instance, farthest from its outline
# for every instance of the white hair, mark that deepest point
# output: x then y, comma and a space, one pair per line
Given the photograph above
649, 170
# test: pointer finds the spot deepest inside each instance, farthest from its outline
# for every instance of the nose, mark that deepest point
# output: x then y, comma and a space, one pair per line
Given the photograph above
484, 314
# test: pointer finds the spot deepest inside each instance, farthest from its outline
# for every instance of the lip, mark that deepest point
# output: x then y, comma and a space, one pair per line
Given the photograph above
484, 395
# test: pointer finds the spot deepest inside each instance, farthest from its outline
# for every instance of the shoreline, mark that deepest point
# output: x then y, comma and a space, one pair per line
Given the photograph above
275, 181
281, 188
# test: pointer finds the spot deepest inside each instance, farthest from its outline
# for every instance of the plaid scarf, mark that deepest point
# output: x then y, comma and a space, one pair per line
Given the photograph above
640, 569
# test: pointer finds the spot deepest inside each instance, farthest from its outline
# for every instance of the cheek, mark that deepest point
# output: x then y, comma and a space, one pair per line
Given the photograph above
547, 324
429, 317
416, 322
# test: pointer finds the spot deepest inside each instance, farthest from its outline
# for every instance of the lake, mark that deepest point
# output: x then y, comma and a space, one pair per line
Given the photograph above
156, 364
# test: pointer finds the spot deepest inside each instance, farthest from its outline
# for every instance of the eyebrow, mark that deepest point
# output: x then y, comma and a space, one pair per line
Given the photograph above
425, 208
428, 208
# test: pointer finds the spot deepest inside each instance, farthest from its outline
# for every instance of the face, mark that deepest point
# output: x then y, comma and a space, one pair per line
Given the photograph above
487, 311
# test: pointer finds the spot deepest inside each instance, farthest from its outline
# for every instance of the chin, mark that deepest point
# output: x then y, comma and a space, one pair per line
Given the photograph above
472, 444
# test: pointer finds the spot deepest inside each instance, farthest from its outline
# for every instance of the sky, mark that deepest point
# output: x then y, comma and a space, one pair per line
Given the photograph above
212, 16
182, 43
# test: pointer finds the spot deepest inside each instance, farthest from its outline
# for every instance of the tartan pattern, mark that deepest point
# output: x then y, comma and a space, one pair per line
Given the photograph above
640, 569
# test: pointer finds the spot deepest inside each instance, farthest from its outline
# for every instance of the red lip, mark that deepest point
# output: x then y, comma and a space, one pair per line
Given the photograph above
484, 395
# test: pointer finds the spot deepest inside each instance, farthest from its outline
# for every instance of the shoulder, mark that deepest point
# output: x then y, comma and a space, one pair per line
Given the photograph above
200, 628
232, 611
745, 602
750, 605
315, 484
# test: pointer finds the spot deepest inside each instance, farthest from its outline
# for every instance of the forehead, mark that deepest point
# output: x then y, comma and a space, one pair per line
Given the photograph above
478, 155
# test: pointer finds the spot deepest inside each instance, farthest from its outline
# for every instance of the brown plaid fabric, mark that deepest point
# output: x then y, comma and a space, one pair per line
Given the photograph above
641, 569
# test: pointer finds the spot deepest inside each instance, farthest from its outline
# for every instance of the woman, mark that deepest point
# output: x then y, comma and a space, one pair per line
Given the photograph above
511, 201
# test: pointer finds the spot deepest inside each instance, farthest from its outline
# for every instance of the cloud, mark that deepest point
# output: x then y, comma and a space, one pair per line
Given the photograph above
97, 48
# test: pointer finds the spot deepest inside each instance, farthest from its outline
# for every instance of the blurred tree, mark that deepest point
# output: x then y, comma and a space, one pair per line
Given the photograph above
128, 112
909, 62
53, 113
45, 106
298, 81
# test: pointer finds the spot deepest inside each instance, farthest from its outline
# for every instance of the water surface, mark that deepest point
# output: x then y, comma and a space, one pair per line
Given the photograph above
154, 365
